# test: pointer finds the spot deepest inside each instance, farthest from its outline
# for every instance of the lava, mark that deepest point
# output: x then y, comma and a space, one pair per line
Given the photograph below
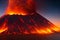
3, 28
20, 7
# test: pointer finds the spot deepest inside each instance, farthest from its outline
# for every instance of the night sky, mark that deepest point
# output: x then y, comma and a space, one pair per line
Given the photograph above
50, 9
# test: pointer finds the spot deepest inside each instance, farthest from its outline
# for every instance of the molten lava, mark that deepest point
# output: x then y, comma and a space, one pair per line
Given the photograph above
20, 7
31, 23
3, 27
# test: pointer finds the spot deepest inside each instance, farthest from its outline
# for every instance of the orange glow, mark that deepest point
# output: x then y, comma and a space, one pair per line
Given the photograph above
13, 13
46, 30
20, 7
57, 29
3, 28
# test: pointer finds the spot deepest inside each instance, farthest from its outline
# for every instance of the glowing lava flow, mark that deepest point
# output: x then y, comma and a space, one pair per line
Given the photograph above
3, 28
48, 30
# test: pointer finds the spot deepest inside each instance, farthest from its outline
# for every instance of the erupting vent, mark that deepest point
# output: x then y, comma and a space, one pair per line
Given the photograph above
20, 7
31, 23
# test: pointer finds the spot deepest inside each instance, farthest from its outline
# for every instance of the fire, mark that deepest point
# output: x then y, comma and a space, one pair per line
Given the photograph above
3, 28
13, 13
57, 29
46, 30
20, 7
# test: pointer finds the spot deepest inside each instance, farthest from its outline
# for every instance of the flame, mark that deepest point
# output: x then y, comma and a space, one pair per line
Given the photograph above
20, 7
46, 30
3, 28
13, 13
57, 29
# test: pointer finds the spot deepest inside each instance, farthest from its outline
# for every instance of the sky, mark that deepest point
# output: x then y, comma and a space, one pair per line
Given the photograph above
50, 9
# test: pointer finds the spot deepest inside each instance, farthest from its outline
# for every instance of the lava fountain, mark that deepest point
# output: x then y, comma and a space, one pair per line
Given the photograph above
21, 18
20, 7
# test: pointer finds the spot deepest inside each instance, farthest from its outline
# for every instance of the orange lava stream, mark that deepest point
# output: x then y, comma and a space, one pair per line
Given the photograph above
3, 28
48, 30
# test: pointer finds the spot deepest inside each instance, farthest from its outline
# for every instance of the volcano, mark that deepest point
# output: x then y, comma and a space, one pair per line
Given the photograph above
28, 24
27, 27
21, 18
